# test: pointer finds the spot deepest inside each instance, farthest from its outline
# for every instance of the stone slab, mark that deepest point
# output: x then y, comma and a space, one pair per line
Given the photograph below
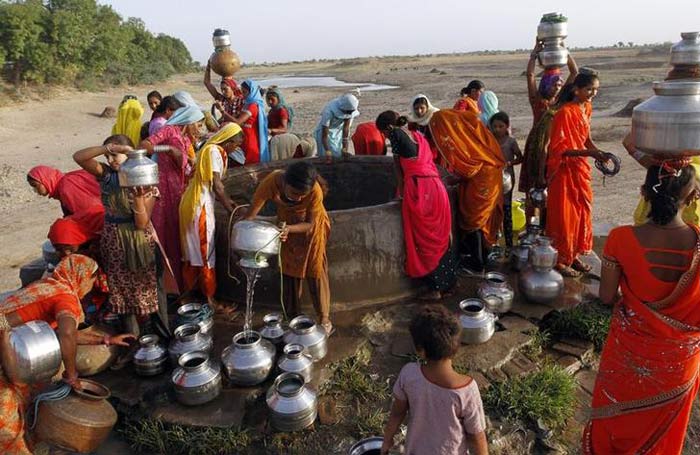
516, 323
586, 379
494, 353
577, 342
569, 363
519, 366
576, 351
32, 271
496, 375
226, 411
528, 310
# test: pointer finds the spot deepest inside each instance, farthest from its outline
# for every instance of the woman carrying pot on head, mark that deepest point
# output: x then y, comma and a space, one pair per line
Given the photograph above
230, 100
425, 206
298, 194
55, 300
253, 120
650, 273
333, 130
174, 142
419, 118
197, 220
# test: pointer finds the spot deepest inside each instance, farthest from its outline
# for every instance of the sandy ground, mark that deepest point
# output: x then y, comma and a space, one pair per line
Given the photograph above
48, 132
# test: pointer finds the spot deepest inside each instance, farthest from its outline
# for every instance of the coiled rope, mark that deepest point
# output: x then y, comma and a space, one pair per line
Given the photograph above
58, 393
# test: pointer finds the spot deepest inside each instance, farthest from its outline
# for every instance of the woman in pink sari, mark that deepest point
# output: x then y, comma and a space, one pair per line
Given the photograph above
427, 216
174, 142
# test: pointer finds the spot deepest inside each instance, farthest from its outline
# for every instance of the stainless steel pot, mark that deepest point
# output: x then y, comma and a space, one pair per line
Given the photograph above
197, 380
496, 292
543, 256
304, 331
188, 338
196, 313
292, 405
34, 353
538, 197
554, 54
507, 181
686, 51
668, 124
249, 360
478, 324
295, 360
254, 242
546, 30
151, 358
49, 254
367, 446
273, 331
221, 38
541, 286
138, 170
520, 253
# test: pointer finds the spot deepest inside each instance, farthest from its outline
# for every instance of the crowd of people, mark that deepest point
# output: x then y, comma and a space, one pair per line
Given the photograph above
125, 252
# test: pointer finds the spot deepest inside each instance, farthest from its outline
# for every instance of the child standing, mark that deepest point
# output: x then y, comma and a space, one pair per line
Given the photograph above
446, 415
500, 126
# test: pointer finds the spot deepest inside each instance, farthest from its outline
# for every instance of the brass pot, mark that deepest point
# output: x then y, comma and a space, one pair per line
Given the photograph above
225, 62
92, 359
78, 423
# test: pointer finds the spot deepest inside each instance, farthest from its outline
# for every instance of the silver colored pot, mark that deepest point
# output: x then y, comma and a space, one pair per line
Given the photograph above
367, 446
541, 286
543, 256
496, 292
35, 353
293, 406
197, 313
273, 331
304, 331
197, 380
507, 181
49, 254
295, 360
686, 51
249, 360
138, 170
151, 358
188, 338
554, 54
538, 197
478, 324
255, 242
668, 124
546, 30
520, 253
221, 38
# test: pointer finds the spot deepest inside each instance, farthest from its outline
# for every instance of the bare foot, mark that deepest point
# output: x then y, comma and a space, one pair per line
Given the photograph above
567, 271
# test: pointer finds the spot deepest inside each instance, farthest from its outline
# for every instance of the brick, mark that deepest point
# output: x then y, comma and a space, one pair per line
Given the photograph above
570, 364
575, 351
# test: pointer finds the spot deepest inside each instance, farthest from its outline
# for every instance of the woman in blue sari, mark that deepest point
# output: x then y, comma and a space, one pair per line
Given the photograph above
333, 130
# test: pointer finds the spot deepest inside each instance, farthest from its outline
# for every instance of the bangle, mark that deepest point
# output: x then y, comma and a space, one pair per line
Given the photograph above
161, 148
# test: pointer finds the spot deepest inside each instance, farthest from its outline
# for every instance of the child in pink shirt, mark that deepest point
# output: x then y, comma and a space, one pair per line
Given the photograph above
445, 413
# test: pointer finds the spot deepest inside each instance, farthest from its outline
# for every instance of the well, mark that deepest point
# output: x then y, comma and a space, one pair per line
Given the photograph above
365, 249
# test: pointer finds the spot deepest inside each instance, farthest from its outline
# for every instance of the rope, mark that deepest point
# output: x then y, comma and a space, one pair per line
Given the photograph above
56, 394
607, 171
228, 249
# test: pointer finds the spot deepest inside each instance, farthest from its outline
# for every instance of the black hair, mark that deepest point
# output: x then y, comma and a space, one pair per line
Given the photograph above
245, 84
390, 118
436, 331
501, 117
473, 85
422, 100
582, 80
169, 102
302, 176
118, 139
663, 191
154, 94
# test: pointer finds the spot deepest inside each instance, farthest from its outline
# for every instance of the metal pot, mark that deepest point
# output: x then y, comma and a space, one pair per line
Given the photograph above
221, 38
188, 338
304, 331
254, 242
543, 256
538, 197
78, 423
507, 181
367, 446
520, 253
249, 360
138, 170
547, 30
225, 62
554, 54
668, 124
273, 331
151, 357
496, 292
541, 286
478, 324
91, 359
686, 51
34, 353
295, 360
292, 405
49, 254
196, 313
197, 380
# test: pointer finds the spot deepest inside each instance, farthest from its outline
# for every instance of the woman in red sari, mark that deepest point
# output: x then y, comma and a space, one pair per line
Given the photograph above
77, 191
648, 375
570, 195
425, 206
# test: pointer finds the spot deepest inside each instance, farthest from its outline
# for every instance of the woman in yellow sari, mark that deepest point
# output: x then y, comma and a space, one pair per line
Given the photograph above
129, 119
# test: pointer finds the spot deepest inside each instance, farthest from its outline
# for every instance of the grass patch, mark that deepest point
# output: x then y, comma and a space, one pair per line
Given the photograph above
540, 340
548, 394
351, 377
588, 321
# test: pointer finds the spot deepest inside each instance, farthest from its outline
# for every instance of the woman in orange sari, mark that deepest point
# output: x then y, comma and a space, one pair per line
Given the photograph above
648, 375
473, 153
570, 195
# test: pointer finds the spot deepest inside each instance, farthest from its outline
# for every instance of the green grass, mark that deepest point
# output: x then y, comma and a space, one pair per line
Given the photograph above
351, 377
588, 321
540, 340
548, 394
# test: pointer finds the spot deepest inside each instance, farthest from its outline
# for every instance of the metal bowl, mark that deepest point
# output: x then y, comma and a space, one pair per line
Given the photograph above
367, 446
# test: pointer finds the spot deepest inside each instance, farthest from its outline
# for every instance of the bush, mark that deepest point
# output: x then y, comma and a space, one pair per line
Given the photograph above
588, 321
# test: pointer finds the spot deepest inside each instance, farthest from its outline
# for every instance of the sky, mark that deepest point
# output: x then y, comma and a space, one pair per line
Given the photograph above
287, 30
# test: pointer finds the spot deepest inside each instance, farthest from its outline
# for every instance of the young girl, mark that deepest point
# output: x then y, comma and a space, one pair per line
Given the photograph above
154, 98
162, 114
446, 415
500, 126
419, 120
469, 97
281, 116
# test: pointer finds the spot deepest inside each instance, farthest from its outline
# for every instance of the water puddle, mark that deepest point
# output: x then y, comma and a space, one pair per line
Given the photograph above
321, 81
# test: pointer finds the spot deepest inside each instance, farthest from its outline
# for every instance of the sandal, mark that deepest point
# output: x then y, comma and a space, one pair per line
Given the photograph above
328, 327
567, 271
581, 266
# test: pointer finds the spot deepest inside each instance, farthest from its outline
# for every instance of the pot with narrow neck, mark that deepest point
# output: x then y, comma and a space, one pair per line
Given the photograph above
686, 51
188, 338
295, 360
304, 331
292, 404
539, 282
478, 324
553, 54
543, 256
151, 358
272, 329
255, 242
223, 61
249, 359
138, 170
496, 292
196, 313
197, 380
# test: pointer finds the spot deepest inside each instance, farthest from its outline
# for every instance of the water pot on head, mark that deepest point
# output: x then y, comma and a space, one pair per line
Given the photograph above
224, 61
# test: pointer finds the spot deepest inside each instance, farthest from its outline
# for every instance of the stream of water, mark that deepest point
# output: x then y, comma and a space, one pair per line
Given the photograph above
251, 277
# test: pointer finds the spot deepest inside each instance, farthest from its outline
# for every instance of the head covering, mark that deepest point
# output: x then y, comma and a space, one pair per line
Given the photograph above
68, 279
422, 121
185, 98
47, 176
254, 96
347, 102
549, 79
78, 228
282, 103
129, 119
488, 105
203, 176
185, 116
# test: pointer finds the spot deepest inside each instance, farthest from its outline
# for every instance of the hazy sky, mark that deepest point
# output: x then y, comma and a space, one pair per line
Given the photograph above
281, 30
